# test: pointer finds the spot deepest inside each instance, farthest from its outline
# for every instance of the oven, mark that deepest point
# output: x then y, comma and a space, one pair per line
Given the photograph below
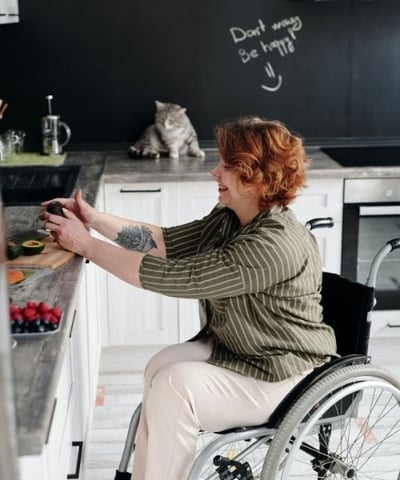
371, 217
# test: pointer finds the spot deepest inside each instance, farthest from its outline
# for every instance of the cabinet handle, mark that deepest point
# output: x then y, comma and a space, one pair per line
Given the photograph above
393, 325
149, 190
72, 324
78, 460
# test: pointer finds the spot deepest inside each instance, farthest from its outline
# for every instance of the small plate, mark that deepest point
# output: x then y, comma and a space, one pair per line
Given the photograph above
31, 275
33, 335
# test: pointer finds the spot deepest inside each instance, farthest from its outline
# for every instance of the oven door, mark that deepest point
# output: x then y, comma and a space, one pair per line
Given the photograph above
366, 228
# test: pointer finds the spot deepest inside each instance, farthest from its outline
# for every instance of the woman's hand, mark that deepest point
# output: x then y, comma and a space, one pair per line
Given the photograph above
69, 231
82, 210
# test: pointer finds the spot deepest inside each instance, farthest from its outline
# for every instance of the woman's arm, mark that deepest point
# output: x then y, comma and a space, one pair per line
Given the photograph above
139, 236
130, 234
72, 234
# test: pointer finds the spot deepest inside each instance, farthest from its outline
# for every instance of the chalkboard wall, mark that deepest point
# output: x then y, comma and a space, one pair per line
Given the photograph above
328, 69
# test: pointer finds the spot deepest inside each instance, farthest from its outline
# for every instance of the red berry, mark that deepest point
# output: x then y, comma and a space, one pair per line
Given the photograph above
31, 304
14, 309
53, 319
28, 313
56, 312
42, 307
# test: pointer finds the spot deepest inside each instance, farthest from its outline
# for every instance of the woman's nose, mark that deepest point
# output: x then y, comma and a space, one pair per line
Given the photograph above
215, 171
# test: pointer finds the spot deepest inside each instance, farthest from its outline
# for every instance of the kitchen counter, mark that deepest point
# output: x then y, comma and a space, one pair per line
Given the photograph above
37, 363
120, 168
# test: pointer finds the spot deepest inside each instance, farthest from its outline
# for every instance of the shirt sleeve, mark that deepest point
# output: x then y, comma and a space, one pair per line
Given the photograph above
250, 263
182, 240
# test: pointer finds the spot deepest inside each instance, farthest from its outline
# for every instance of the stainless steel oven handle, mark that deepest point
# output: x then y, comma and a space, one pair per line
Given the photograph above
371, 190
379, 210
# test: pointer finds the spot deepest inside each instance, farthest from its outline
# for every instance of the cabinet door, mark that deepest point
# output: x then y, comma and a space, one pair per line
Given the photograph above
9, 11
195, 200
324, 198
136, 316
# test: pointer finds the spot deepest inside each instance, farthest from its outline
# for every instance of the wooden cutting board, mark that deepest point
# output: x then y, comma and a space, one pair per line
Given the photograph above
52, 256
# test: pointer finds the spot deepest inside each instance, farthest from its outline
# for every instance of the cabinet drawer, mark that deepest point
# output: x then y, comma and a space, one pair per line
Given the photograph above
385, 323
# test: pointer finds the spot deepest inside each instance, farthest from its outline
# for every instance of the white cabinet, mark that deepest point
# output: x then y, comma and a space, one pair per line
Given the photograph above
195, 200
137, 317
324, 198
63, 455
9, 11
384, 342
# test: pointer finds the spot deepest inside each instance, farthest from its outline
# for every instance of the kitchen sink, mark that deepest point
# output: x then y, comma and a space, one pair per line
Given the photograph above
31, 185
366, 156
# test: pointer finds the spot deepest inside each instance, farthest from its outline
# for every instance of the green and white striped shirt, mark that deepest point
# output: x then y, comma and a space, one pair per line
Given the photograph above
258, 287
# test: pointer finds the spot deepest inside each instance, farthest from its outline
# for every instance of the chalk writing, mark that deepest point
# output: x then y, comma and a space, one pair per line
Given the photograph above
270, 72
293, 23
283, 45
239, 34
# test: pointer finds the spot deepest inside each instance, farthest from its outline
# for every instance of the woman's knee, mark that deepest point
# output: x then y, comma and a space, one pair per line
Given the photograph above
158, 361
183, 352
174, 379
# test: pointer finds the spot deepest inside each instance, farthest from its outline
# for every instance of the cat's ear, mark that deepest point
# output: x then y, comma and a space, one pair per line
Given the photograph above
183, 110
159, 105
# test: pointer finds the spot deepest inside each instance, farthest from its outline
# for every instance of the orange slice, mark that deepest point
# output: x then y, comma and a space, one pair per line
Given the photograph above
15, 276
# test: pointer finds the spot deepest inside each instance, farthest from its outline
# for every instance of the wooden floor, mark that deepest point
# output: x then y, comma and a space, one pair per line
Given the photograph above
119, 392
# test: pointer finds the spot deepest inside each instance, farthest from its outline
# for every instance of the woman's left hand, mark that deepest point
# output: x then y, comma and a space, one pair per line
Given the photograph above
69, 232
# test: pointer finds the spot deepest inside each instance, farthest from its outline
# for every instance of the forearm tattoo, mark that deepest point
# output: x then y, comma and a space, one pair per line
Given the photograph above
136, 238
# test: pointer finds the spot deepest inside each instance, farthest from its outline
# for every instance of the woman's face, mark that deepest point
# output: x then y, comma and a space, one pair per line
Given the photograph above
230, 195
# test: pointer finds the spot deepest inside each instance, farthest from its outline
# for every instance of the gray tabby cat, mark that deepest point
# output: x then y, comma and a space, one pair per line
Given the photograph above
172, 134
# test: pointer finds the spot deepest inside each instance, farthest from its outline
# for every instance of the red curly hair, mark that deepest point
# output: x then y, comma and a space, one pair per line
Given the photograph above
265, 154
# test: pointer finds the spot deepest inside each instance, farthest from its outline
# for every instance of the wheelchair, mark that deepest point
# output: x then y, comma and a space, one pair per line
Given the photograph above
342, 421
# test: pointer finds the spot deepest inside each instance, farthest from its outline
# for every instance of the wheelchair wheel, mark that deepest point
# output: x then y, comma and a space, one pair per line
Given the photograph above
346, 426
248, 447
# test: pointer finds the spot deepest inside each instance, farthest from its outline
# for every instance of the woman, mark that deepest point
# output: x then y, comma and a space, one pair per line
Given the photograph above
256, 272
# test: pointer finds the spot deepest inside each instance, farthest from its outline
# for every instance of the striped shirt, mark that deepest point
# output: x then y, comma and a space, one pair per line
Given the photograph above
258, 288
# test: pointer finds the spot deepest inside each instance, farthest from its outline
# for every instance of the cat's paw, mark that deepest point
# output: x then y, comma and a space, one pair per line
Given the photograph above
134, 152
173, 154
196, 152
150, 153
153, 155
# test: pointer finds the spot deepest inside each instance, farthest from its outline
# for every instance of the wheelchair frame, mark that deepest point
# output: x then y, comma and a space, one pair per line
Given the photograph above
330, 394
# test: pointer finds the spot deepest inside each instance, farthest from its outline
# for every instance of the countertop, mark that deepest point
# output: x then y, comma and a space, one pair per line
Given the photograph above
37, 363
120, 168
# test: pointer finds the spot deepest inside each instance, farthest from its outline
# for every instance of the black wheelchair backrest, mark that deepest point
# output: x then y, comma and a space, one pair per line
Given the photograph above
346, 307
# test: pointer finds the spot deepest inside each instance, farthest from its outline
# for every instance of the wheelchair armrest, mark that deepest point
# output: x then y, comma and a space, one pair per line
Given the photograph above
319, 372
376, 262
323, 222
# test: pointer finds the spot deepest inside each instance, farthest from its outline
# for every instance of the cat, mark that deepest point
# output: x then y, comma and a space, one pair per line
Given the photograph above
172, 133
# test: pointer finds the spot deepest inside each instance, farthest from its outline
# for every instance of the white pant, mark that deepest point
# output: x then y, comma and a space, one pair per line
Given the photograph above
184, 394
